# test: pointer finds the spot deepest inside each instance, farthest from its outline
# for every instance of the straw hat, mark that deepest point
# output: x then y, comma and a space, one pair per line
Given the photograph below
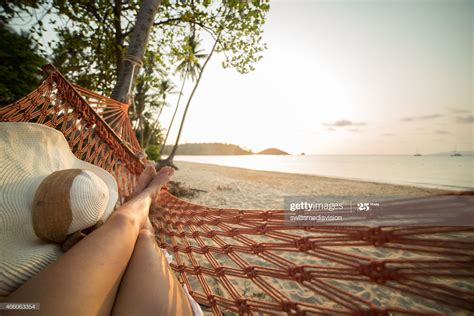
47, 197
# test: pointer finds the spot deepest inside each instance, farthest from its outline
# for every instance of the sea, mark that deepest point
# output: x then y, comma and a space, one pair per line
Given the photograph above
443, 172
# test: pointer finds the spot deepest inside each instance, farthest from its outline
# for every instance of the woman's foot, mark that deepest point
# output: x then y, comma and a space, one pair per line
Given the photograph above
159, 180
144, 179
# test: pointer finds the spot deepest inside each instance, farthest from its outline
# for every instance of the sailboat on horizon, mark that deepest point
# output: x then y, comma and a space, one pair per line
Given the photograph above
417, 154
455, 153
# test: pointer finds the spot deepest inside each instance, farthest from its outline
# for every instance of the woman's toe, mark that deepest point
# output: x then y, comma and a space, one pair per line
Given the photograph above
145, 178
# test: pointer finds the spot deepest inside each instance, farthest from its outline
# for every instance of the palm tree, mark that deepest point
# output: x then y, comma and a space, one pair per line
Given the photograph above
135, 51
188, 67
169, 159
146, 98
166, 88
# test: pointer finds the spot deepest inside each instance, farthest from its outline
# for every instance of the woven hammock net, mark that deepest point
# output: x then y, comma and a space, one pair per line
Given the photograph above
248, 261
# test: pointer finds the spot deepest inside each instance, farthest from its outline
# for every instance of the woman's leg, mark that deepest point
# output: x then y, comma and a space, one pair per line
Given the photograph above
149, 287
84, 279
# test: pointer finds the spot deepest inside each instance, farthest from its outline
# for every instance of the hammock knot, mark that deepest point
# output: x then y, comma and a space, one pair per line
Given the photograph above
180, 268
237, 219
266, 215
197, 270
376, 236
262, 229
290, 307
257, 248
211, 234
205, 249
304, 244
251, 272
227, 249
26, 116
373, 311
378, 272
194, 234
299, 274
211, 299
219, 271
234, 232
188, 249
242, 305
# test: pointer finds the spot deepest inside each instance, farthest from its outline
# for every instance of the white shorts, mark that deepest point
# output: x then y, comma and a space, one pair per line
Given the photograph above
197, 310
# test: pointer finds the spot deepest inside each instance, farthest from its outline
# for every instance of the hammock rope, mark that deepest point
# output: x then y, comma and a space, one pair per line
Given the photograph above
249, 261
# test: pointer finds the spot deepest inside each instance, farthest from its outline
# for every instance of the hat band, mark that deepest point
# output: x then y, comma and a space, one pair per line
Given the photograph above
51, 211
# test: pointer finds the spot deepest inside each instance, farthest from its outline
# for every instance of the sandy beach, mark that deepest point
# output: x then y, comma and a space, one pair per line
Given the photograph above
232, 187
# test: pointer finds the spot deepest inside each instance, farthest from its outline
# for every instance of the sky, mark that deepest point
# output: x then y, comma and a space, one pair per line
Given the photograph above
346, 77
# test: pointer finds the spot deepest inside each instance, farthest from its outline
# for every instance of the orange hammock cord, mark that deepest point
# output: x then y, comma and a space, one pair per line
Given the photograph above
248, 261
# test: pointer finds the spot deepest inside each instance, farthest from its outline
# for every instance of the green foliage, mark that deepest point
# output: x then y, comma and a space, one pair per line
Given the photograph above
235, 24
153, 152
93, 36
188, 57
92, 40
18, 65
12, 8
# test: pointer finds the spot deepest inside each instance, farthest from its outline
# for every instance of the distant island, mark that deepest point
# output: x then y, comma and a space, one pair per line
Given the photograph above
272, 151
218, 149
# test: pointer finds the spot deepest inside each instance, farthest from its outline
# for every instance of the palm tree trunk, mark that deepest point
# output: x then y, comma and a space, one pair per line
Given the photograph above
142, 128
154, 126
174, 113
136, 50
173, 152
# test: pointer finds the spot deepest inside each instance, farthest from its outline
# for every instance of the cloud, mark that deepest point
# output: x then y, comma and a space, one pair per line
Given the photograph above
420, 118
331, 129
343, 123
468, 119
388, 134
441, 132
457, 110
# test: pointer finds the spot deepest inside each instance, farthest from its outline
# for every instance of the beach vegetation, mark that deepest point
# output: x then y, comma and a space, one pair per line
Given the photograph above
153, 152
96, 45
19, 64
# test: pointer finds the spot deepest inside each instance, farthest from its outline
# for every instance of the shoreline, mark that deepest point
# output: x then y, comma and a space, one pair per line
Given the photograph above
444, 188
444, 174
236, 187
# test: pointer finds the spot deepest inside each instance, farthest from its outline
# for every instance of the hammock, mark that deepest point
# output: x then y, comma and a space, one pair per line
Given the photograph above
248, 261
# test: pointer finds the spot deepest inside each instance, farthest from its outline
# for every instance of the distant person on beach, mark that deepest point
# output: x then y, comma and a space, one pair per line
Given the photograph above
48, 200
